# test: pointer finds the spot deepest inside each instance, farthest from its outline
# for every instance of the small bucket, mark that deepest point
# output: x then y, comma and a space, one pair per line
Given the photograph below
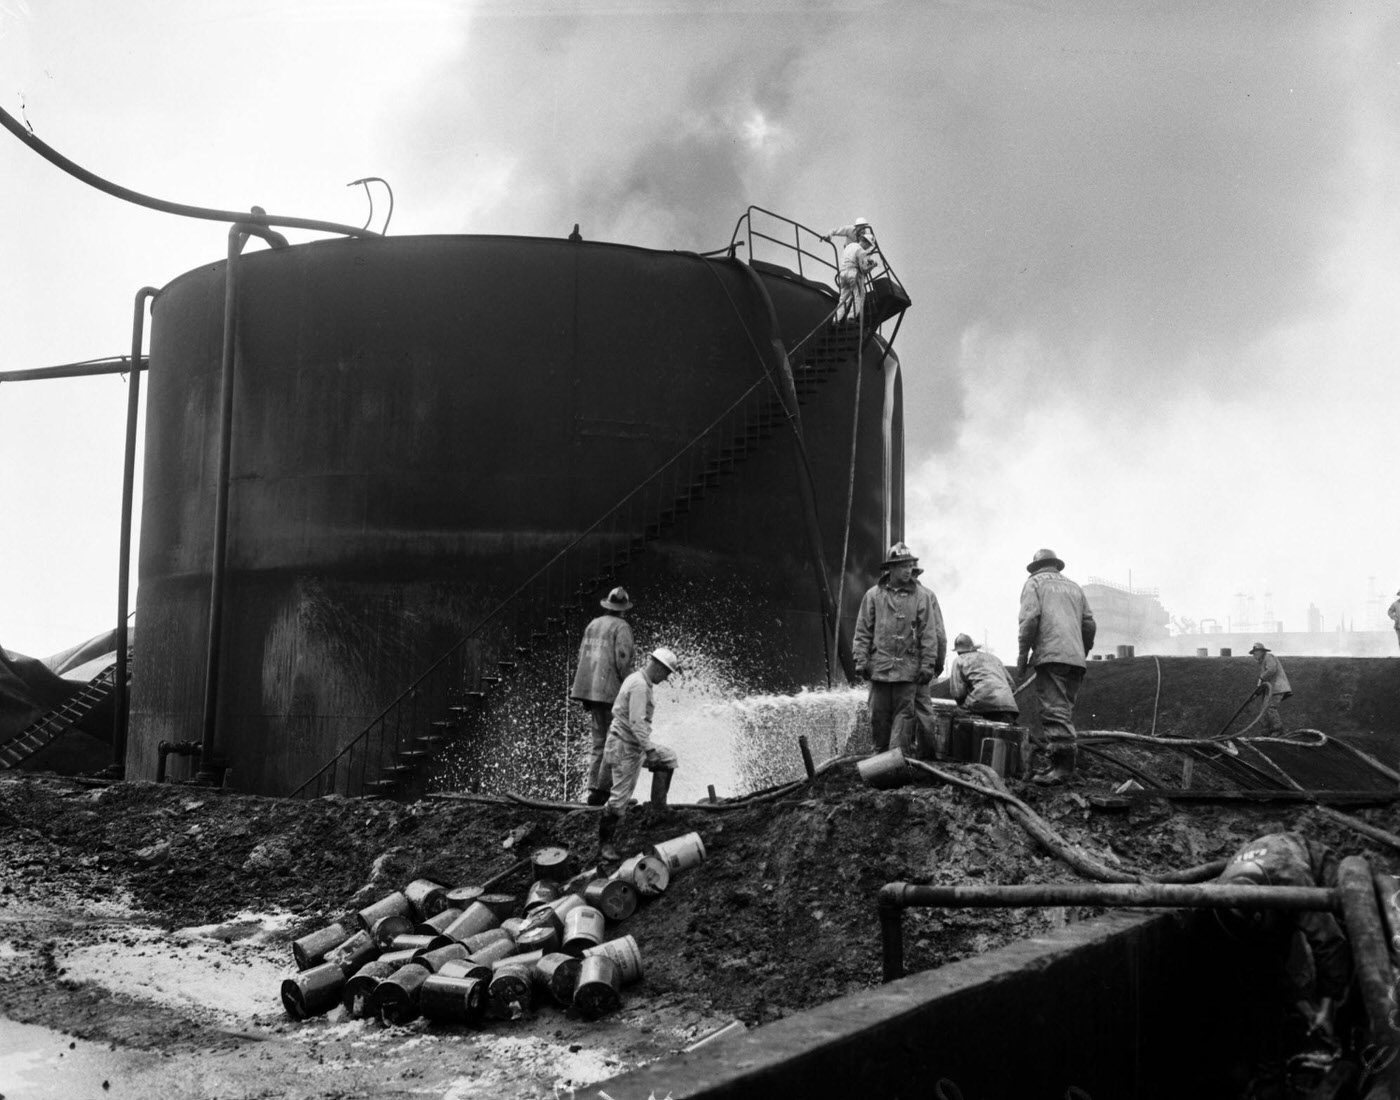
459, 897
884, 770
311, 949
481, 939
396, 904
509, 994
558, 973
452, 1000
624, 952
436, 926
562, 906
551, 863
963, 744
475, 918
616, 899
465, 968
503, 905
397, 958
496, 949
354, 952
412, 941
395, 999
1226, 651
579, 883
313, 991
362, 984
596, 990
541, 892
681, 853
1201, 651
995, 754
646, 873
936, 742
583, 928
385, 929
544, 917
544, 939
434, 958
428, 898
513, 926
527, 960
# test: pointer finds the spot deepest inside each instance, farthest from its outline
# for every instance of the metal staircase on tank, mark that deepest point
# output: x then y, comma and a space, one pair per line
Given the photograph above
43, 731
385, 757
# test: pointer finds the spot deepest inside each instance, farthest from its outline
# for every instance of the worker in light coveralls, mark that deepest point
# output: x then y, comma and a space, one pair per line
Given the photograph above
1394, 613
604, 660
899, 644
1306, 950
978, 681
630, 747
1056, 631
1273, 684
857, 258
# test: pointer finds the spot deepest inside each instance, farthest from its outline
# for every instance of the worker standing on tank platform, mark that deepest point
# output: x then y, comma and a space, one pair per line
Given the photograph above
899, 645
857, 258
604, 660
1394, 614
1273, 683
978, 681
1056, 625
1307, 953
630, 747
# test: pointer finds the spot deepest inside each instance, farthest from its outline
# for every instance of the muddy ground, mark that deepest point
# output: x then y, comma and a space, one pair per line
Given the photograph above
149, 926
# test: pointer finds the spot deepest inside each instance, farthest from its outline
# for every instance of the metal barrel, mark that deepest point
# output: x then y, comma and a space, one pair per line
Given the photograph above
579, 883
503, 905
616, 899
395, 904
398, 958
313, 991
625, 953
459, 897
889, 769
428, 898
563, 905
496, 949
435, 926
541, 892
513, 926
452, 1000
647, 874
465, 968
361, 984
546, 916
434, 958
311, 949
558, 974
551, 863
386, 928
354, 952
583, 928
682, 852
527, 960
509, 994
544, 939
597, 990
481, 939
395, 999
475, 918
412, 941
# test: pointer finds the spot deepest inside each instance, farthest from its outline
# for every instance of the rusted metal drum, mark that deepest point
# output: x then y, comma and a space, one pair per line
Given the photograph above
616, 899
435, 926
496, 949
557, 973
475, 918
459, 897
313, 991
563, 905
465, 968
503, 905
398, 958
541, 892
428, 898
361, 984
647, 874
551, 863
395, 999
481, 939
936, 743
311, 949
527, 959
681, 853
354, 952
579, 882
884, 770
513, 926
385, 929
445, 999
434, 958
412, 941
597, 990
625, 953
396, 904
544, 939
509, 994
583, 928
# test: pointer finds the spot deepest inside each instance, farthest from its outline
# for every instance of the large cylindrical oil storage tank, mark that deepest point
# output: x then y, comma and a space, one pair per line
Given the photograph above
420, 424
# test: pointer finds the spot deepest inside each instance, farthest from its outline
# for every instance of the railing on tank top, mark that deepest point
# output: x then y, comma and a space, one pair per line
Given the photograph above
388, 747
804, 240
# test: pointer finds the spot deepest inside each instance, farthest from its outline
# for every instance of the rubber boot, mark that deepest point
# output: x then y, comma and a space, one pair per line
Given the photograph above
660, 784
607, 829
597, 797
1063, 759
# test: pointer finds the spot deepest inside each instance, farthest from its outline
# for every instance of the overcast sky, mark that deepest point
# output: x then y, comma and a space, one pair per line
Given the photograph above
1154, 249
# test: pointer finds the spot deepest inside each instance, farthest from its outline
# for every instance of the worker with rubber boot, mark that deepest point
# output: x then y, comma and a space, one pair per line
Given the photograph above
899, 644
1273, 685
604, 660
1055, 634
630, 747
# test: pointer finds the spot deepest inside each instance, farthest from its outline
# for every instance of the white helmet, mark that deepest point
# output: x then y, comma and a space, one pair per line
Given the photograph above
667, 658
861, 222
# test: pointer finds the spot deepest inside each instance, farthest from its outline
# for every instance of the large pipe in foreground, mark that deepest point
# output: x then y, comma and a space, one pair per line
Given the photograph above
895, 897
1370, 955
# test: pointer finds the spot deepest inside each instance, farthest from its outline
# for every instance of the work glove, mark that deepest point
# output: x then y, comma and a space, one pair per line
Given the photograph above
938, 669
926, 675
863, 671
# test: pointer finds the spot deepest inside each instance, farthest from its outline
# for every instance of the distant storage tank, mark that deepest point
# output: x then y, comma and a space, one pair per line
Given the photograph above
422, 422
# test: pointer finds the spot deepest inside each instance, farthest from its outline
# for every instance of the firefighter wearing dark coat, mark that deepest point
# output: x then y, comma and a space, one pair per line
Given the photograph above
899, 644
1056, 625
604, 661
1289, 859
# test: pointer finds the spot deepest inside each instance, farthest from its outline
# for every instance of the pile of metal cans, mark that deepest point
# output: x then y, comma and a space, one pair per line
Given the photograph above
467, 954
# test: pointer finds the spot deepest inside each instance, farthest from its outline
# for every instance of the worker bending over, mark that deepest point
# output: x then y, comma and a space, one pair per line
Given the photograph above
979, 682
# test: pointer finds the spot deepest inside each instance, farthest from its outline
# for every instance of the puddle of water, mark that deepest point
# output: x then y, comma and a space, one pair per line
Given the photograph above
38, 1063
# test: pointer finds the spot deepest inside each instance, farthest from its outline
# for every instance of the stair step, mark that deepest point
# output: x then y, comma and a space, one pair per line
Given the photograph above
396, 772
444, 723
491, 680
413, 754
477, 696
431, 740
382, 786
523, 650
462, 710
506, 666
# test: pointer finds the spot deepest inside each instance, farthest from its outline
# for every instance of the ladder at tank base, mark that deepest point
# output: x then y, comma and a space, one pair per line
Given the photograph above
388, 755
43, 731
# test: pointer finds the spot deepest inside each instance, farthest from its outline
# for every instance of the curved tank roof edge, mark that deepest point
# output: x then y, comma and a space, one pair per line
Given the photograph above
344, 242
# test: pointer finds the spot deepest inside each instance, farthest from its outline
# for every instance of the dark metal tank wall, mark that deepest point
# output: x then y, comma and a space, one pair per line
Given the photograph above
419, 423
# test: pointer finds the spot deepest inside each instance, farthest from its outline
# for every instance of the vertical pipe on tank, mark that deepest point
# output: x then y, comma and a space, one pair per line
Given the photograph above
238, 235
120, 702
890, 366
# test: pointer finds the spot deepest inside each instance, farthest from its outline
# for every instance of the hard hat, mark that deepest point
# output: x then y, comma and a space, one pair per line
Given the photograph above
617, 600
667, 658
1044, 557
898, 555
964, 644
861, 222
1259, 647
